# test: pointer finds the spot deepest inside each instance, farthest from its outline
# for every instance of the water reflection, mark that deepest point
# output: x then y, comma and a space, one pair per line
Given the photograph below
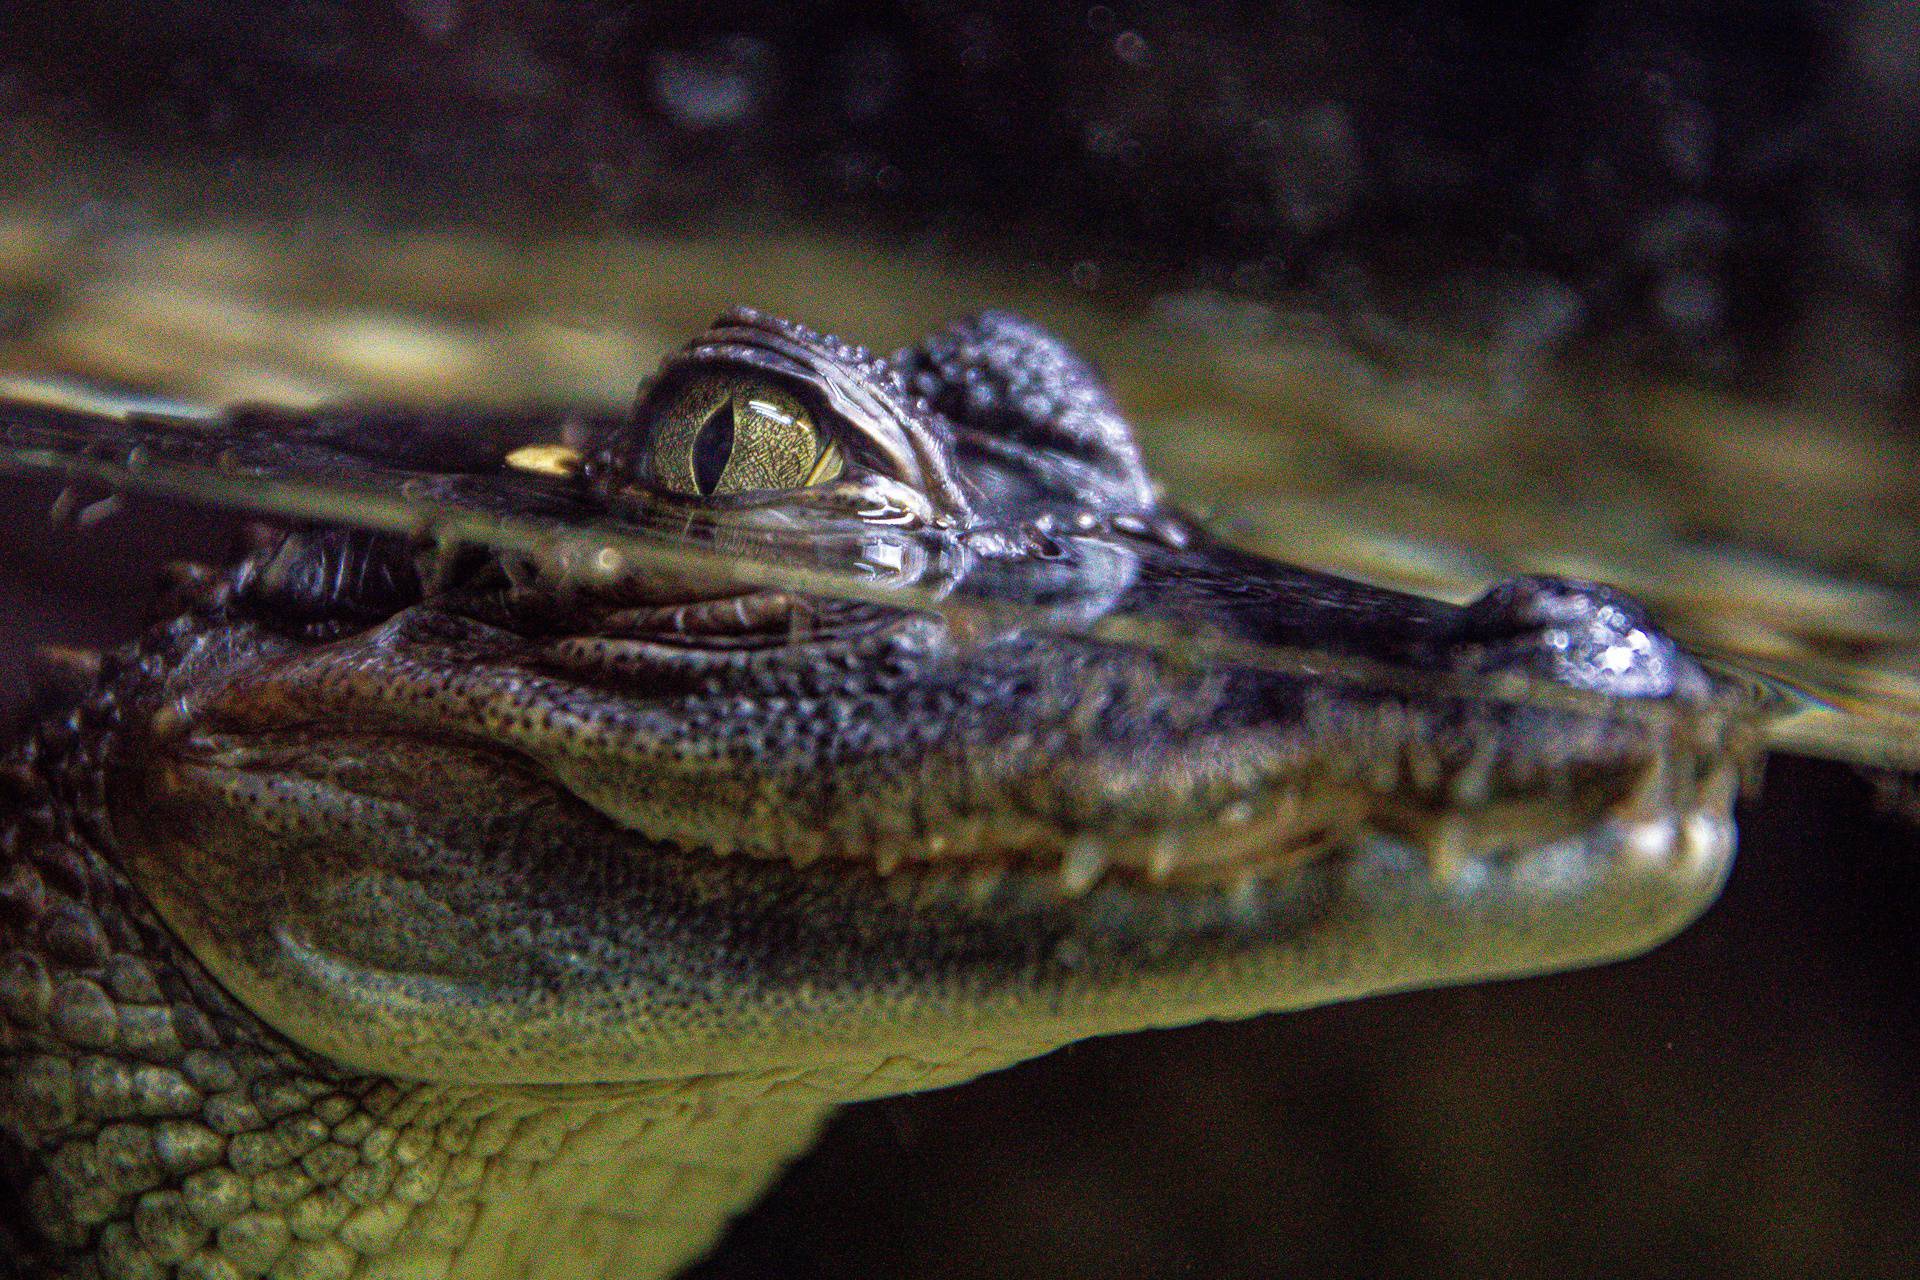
1435, 475
465, 481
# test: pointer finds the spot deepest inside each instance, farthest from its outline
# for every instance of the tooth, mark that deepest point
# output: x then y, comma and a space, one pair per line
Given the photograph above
1163, 856
888, 857
1082, 866
1237, 814
1423, 765
1717, 791
69, 665
1245, 894
1653, 839
181, 575
1450, 847
983, 883
1652, 792
1286, 808
172, 720
95, 512
969, 834
1144, 689
1706, 838
1473, 783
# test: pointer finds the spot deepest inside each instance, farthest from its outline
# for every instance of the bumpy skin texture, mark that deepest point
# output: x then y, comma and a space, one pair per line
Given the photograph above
386, 916
153, 1128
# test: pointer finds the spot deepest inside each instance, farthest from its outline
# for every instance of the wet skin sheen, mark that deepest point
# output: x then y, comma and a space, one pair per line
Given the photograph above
403, 914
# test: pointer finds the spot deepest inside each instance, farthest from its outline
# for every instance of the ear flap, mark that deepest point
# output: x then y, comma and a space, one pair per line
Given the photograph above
1032, 420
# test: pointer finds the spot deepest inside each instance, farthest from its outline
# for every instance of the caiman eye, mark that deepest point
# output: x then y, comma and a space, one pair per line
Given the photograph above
727, 435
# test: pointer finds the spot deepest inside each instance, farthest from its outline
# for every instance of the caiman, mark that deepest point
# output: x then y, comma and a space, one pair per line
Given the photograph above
390, 914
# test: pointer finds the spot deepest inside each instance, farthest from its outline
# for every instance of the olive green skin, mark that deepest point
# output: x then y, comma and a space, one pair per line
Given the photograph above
357, 926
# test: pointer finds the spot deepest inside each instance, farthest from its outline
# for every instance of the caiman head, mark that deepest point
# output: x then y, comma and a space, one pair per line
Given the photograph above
490, 820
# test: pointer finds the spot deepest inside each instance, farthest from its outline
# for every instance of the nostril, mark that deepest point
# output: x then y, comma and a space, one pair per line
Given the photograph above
1582, 634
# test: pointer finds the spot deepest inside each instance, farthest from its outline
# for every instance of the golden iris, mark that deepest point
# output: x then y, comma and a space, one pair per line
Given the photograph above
733, 435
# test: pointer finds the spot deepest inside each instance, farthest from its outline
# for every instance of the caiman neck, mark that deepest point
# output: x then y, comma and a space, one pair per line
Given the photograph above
161, 1130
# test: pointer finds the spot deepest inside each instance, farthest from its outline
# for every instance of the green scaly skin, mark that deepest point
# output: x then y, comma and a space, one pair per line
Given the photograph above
485, 923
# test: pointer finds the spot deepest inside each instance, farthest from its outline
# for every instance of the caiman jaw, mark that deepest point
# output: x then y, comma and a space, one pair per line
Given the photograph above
466, 810
651, 795
499, 857
1459, 795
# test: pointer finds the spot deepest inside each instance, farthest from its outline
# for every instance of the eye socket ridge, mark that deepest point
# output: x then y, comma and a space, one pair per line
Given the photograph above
728, 434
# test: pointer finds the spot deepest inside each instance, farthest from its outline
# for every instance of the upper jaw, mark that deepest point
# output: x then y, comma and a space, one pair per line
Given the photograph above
1238, 775
1420, 723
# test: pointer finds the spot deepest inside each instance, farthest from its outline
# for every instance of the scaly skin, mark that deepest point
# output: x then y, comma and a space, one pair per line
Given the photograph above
386, 916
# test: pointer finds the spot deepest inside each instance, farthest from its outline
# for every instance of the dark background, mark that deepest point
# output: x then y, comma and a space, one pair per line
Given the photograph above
1727, 184
1722, 190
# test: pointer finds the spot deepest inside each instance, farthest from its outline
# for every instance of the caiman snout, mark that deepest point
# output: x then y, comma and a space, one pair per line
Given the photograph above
1582, 634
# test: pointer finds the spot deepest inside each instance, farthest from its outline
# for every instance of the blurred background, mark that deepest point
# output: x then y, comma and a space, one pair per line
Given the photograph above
1425, 292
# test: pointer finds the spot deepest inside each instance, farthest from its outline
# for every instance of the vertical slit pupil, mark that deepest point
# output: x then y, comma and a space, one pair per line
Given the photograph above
712, 447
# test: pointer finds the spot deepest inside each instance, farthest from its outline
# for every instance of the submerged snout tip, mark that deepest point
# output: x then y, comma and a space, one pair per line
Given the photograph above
1585, 635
